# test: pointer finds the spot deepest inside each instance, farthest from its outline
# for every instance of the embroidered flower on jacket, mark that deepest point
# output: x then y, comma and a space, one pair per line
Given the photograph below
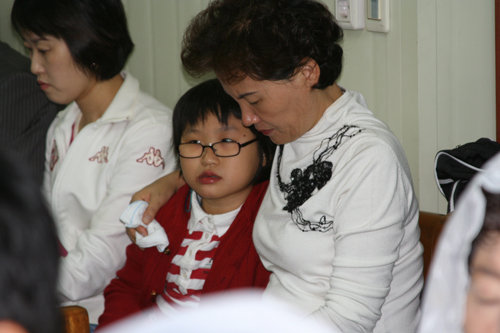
101, 156
305, 182
153, 157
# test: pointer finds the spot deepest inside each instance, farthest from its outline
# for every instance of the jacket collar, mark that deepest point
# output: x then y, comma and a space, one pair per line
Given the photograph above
214, 224
121, 108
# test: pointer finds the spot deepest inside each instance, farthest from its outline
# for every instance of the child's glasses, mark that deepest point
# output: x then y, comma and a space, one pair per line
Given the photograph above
221, 149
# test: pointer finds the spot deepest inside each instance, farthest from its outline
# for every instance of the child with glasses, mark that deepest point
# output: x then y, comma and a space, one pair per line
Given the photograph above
209, 221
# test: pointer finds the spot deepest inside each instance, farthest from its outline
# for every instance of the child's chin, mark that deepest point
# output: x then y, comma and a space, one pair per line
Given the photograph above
207, 191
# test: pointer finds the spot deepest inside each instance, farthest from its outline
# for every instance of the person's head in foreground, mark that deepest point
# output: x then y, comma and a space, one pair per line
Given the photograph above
278, 59
463, 288
483, 298
220, 158
28, 254
73, 44
240, 311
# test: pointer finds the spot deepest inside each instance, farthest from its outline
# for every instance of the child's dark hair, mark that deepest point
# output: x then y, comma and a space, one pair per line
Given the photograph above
210, 98
491, 224
95, 31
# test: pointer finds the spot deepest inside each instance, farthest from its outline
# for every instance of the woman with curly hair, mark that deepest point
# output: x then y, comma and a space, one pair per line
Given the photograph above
338, 227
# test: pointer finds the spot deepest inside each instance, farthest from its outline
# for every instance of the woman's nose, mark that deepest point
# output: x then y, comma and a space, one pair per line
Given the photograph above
36, 66
248, 117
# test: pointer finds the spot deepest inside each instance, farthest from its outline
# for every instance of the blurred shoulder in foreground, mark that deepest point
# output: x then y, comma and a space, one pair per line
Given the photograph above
241, 311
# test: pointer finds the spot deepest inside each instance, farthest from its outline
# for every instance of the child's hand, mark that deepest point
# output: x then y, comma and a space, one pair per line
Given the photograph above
140, 229
156, 194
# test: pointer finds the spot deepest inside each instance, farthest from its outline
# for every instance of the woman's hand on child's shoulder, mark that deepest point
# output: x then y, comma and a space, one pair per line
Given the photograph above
156, 194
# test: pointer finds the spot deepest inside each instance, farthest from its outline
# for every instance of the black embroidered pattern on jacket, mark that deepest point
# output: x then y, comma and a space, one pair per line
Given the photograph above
304, 182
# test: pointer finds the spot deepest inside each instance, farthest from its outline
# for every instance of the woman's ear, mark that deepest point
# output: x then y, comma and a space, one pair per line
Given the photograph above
311, 72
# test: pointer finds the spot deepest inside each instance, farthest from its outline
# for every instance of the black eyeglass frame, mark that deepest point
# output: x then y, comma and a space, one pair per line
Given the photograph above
240, 145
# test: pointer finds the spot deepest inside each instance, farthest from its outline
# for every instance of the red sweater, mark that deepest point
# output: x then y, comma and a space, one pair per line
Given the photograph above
236, 263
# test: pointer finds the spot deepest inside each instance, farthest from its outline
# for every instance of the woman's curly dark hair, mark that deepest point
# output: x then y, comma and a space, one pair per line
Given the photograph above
262, 39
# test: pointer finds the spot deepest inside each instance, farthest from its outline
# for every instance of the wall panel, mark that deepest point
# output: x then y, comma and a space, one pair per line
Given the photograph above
456, 82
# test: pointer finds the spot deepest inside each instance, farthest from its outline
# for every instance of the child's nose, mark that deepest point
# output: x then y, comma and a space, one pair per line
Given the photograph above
209, 156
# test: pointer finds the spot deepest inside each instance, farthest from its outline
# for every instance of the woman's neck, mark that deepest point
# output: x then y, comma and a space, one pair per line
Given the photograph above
321, 99
96, 101
328, 96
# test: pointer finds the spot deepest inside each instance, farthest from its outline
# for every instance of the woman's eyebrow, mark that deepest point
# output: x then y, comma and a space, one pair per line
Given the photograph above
246, 94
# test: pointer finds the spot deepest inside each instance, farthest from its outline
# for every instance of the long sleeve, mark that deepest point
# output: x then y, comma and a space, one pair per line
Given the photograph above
89, 180
348, 253
370, 224
100, 249
123, 293
145, 272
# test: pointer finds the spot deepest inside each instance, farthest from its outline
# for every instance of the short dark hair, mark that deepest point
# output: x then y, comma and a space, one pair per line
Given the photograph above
28, 251
95, 31
262, 39
209, 98
491, 224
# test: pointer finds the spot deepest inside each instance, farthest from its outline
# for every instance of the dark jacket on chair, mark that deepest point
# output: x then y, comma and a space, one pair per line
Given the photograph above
25, 111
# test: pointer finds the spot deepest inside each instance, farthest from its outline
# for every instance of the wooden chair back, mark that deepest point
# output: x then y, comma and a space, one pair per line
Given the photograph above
76, 319
431, 225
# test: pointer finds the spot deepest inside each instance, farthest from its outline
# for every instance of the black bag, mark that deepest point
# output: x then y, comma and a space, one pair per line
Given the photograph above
455, 167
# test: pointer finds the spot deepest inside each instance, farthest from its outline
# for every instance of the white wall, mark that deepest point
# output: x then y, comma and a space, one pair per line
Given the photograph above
7, 34
156, 27
431, 78
456, 81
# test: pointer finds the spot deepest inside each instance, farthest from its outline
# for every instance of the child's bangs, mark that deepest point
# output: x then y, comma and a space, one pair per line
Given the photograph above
203, 111
208, 98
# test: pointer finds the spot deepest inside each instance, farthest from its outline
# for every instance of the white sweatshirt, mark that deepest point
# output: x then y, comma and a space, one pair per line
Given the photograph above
350, 254
90, 182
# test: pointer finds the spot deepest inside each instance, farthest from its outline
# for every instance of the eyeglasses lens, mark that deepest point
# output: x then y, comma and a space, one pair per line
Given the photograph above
221, 149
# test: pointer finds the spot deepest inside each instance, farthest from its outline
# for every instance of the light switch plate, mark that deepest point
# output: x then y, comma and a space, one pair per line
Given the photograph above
378, 15
350, 14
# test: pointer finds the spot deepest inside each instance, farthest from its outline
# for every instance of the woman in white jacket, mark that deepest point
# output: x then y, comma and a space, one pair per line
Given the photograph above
109, 141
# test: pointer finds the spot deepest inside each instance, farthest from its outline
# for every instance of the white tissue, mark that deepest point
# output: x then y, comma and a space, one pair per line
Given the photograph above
132, 218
